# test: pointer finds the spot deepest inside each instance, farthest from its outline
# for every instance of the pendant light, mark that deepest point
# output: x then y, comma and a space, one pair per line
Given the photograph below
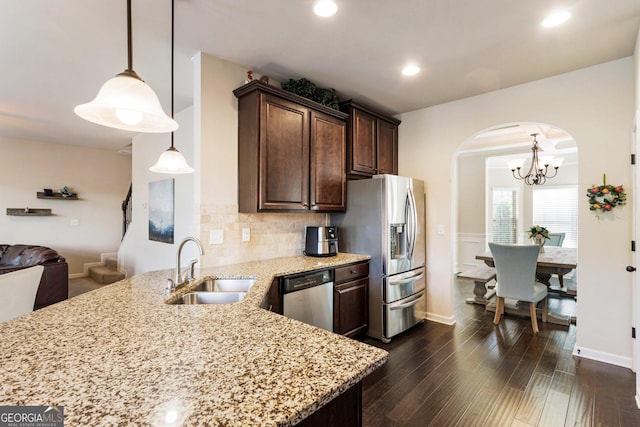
126, 102
171, 161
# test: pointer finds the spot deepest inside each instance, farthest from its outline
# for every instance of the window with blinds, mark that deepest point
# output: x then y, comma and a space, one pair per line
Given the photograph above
505, 219
556, 208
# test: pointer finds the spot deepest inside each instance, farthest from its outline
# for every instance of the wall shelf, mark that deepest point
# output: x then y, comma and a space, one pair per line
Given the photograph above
56, 196
28, 212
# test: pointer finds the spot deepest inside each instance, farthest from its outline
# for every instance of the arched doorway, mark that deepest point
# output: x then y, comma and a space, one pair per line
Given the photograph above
492, 205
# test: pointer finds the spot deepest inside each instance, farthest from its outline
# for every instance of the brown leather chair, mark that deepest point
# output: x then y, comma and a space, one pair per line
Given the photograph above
54, 284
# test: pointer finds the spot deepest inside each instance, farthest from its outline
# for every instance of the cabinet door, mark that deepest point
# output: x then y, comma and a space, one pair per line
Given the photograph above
327, 167
284, 155
387, 148
362, 148
351, 307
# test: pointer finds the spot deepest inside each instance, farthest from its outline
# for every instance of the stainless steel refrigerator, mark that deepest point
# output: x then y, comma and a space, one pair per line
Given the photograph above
385, 218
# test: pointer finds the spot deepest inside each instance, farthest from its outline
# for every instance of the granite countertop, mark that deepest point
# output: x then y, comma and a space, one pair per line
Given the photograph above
122, 355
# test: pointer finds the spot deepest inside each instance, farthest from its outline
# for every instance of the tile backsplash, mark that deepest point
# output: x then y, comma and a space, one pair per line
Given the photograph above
273, 235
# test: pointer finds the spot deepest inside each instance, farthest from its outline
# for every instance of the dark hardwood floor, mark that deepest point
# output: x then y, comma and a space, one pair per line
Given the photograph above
475, 374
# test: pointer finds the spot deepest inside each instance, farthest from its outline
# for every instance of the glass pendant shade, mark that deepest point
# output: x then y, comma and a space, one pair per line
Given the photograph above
171, 161
128, 103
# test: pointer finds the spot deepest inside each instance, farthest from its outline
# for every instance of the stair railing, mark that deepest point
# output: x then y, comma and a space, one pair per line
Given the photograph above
126, 211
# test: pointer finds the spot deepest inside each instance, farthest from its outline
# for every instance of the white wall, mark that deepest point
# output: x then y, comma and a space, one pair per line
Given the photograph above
138, 253
471, 176
100, 177
595, 105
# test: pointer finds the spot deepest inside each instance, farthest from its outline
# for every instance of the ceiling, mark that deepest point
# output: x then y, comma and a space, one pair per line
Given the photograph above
57, 53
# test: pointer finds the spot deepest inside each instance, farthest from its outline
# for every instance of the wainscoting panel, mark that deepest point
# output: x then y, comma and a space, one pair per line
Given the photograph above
469, 245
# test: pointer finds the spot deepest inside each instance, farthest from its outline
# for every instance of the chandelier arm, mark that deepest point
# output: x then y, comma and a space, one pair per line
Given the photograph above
555, 172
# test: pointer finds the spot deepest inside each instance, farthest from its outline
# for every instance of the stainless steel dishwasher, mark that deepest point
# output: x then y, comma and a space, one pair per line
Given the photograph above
308, 298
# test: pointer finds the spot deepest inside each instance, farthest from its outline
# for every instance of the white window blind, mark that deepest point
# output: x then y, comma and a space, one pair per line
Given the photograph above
505, 220
556, 208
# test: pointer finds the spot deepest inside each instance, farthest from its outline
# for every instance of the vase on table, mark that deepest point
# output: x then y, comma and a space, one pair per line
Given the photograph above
539, 240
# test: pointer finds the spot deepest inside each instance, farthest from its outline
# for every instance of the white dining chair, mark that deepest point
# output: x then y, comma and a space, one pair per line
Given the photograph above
516, 279
18, 292
555, 239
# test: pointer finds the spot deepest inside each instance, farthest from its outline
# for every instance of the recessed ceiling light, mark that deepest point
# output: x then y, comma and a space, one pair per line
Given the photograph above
410, 70
556, 18
325, 8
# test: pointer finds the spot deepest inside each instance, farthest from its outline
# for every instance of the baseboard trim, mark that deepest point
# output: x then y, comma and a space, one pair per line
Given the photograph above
88, 265
601, 356
104, 256
638, 401
447, 320
78, 275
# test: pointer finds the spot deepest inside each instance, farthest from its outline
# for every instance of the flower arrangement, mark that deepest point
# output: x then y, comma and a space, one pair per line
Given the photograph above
537, 230
606, 197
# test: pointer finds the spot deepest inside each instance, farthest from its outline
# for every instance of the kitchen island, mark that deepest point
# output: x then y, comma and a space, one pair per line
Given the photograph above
122, 355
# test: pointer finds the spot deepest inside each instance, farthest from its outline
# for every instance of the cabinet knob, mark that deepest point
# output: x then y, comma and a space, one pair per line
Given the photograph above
354, 271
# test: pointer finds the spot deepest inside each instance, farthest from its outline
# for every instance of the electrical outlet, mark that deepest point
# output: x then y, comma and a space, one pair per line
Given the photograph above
246, 234
440, 230
73, 222
216, 237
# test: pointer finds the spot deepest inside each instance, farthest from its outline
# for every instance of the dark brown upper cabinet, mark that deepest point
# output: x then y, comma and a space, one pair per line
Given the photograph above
372, 141
291, 152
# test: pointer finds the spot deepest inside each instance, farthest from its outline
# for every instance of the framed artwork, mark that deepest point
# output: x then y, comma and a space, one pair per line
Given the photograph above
161, 210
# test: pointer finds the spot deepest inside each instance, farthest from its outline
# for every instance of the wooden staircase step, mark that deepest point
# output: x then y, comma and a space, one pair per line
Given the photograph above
111, 262
104, 275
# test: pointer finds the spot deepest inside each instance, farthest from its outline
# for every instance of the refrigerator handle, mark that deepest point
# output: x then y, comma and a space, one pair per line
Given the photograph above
412, 220
407, 280
411, 303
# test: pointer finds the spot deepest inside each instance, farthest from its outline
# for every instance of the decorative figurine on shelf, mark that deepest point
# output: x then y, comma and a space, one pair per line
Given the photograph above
66, 192
48, 192
249, 76
26, 210
264, 79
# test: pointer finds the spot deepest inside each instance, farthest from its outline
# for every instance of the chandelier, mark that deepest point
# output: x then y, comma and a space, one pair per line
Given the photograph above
539, 170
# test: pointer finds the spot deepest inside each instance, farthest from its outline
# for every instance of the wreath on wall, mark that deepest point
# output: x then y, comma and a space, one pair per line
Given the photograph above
606, 197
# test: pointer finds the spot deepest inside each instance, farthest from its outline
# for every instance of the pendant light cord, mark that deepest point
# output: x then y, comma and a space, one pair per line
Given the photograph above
129, 71
129, 44
173, 3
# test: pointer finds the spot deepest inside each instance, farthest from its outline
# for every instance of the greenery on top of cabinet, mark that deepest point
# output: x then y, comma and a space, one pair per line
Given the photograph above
309, 90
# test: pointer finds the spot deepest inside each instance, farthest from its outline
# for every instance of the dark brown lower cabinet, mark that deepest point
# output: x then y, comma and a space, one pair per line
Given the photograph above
350, 308
345, 410
351, 299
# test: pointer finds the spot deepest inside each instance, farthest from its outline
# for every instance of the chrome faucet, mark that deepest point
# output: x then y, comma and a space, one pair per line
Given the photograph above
179, 278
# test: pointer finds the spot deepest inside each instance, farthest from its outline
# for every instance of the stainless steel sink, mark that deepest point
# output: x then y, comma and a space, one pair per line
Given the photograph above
225, 285
218, 291
211, 298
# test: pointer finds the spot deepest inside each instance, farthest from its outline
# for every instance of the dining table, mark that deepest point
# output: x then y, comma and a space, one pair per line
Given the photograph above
552, 260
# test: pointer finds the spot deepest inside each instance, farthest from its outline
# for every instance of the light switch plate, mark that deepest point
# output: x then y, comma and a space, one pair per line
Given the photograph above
246, 234
216, 237
440, 230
